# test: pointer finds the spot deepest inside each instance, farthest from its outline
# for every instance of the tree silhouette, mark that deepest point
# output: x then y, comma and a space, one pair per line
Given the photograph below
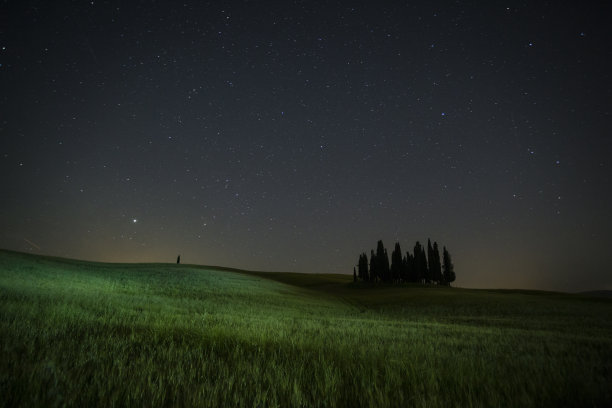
420, 267
428, 271
382, 262
397, 263
386, 267
449, 271
420, 263
410, 269
363, 267
424, 266
373, 267
435, 266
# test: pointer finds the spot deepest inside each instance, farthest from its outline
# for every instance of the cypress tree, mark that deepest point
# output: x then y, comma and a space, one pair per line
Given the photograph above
397, 263
373, 267
424, 266
363, 272
428, 271
405, 274
382, 262
449, 271
410, 272
386, 267
435, 265
419, 273
363, 267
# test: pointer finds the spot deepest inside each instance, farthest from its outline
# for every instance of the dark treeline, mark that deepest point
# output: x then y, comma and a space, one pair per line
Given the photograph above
419, 267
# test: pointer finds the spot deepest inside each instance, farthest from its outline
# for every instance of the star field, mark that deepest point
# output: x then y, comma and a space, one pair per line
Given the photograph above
294, 136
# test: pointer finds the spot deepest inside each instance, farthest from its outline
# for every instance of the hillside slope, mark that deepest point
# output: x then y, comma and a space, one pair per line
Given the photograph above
92, 334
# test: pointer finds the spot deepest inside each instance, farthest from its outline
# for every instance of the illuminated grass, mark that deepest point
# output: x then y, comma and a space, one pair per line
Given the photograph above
90, 334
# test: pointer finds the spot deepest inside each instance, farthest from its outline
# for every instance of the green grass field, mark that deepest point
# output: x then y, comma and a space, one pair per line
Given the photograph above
76, 333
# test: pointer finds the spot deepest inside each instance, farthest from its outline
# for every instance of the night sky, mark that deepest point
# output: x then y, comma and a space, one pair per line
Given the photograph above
291, 136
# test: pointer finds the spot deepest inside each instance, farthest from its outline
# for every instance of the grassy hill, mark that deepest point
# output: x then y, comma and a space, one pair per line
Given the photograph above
80, 333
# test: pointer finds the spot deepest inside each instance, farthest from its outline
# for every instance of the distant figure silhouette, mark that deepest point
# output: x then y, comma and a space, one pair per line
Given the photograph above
178, 259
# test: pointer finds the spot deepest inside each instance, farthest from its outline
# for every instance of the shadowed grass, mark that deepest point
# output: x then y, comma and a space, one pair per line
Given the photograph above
76, 333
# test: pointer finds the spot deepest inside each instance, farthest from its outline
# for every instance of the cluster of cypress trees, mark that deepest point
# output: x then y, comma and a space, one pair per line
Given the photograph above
416, 267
